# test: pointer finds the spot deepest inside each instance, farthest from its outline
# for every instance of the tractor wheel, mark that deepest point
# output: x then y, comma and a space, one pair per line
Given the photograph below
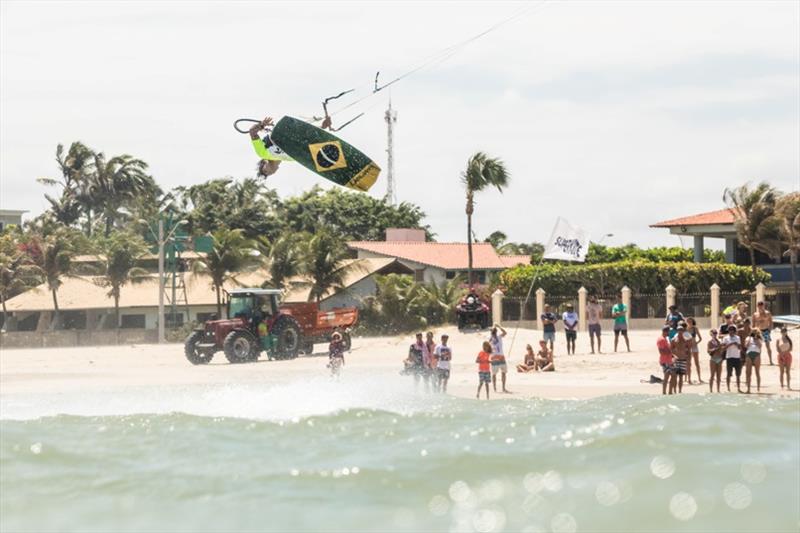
484, 320
193, 353
287, 333
461, 322
308, 348
240, 346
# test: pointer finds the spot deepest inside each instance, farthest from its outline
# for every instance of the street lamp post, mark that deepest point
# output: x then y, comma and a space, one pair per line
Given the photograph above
161, 337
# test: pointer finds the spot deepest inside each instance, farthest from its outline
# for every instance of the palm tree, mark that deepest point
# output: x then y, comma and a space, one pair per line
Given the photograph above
787, 212
75, 167
324, 264
230, 253
121, 253
437, 301
53, 254
17, 274
753, 209
482, 171
117, 182
282, 258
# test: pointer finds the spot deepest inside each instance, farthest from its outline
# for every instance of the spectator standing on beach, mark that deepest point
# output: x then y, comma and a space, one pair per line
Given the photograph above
716, 352
733, 357
784, 347
499, 364
666, 359
691, 327
674, 317
762, 321
484, 368
753, 345
433, 360
570, 318
682, 350
594, 313
620, 315
444, 354
744, 331
549, 320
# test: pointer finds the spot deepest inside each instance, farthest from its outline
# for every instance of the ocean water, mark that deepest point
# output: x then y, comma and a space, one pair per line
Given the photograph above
370, 454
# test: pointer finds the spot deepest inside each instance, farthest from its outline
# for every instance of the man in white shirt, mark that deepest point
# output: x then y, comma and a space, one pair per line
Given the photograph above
733, 356
444, 355
570, 318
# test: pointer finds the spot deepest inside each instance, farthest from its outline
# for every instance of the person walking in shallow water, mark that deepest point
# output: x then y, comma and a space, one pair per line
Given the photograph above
484, 368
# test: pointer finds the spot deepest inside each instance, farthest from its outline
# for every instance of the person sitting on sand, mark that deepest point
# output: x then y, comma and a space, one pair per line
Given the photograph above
484, 368
544, 358
666, 360
336, 354
752, 351
784, 347
529, 364
444, 354
717, 354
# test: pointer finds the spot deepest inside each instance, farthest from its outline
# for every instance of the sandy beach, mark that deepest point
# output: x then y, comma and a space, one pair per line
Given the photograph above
107, 368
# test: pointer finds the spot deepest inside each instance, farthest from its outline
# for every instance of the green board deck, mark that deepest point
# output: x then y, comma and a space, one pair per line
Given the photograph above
325, 154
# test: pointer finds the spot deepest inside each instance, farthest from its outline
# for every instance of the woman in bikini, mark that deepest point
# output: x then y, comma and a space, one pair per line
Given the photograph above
544, 358
784, 346
696, 340
717, 353
530, 361
752, 352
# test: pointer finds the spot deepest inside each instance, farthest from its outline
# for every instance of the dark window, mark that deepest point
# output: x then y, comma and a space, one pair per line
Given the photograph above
173, 320
132, 322
419, 275
450, 274
28, 323
74, 319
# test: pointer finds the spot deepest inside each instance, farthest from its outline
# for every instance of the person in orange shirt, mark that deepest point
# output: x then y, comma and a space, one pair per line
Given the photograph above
484, 368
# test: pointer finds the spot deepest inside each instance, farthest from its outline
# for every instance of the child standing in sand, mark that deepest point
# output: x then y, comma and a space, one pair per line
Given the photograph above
484, 368
665, 359
336, 354
784, 347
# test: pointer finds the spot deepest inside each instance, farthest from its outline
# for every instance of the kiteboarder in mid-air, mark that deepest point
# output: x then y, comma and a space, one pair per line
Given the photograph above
271, 156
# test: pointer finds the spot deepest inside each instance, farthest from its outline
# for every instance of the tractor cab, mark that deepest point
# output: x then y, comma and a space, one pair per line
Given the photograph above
253, 305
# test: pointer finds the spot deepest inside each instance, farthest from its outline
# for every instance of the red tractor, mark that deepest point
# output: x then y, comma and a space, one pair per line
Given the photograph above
257, 322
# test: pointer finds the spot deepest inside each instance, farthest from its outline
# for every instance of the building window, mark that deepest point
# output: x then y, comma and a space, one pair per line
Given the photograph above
419, 275
29, 323
132, 322
73, 319
450, 274
205, 317
173, 320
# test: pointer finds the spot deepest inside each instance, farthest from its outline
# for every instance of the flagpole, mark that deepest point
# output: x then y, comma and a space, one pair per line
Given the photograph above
525, 304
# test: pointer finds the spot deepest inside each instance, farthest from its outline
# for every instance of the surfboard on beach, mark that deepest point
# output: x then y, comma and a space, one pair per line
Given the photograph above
325, 154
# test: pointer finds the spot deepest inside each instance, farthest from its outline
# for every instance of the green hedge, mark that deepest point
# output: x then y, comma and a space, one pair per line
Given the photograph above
641, 276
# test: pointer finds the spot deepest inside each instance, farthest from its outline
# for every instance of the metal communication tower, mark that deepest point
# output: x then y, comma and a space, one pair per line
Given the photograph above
391, 119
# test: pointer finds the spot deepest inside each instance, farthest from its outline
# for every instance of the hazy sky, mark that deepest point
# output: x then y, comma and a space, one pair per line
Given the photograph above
614, 115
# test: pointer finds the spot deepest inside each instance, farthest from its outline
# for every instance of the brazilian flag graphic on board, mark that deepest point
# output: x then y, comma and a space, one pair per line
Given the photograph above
325, 154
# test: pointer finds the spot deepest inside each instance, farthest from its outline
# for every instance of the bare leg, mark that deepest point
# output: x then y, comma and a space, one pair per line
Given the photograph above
503, 377
599, 349
494, 382
757, 365
616, 340
480, 384
769, 353
591, 341
728, 376
689, 371
696, 357
788, 378
739, 378
673, 380
664, 383
748, 371
627, 342
711, 381
487, 391
444, 386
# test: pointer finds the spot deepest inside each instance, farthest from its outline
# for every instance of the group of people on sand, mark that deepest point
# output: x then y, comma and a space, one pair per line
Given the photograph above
429, 362
594, 314
739, 342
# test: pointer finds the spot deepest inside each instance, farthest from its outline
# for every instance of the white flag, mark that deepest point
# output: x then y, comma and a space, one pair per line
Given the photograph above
567, 242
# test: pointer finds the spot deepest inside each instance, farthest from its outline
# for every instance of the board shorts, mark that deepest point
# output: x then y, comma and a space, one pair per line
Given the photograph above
680, 366
499, 367
767, 335
571, 335
734, 364
785, 359
668, 369
620, 327
594, 329
443, 373
484, 377
549, 336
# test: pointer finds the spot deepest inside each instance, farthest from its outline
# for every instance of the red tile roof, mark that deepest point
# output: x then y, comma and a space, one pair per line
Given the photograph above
446, 255
514, 260
722, 216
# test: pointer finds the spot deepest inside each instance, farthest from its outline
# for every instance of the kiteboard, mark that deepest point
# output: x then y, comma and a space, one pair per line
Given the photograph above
325, 154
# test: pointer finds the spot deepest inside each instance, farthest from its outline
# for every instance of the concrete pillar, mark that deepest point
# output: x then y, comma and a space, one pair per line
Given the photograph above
582, 309
497, 307
45, 321
539, 307
698, 248
760, 288
671, 292
715, 315
626, 300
